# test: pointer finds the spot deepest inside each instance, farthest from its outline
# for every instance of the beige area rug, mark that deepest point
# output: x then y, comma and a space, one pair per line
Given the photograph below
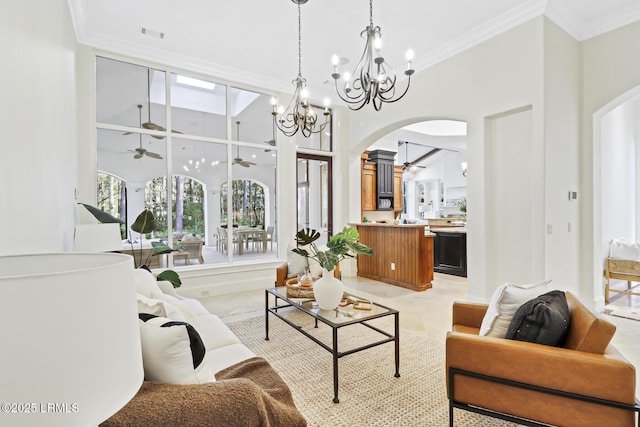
369, 393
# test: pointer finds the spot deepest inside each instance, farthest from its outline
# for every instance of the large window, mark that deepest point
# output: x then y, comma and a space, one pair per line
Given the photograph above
188, 205
210, 133
247, 204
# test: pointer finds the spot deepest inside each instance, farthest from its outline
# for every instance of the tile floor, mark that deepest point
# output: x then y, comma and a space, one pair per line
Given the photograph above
430, 311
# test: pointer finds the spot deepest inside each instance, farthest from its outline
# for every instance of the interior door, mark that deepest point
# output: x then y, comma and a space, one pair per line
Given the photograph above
315, 200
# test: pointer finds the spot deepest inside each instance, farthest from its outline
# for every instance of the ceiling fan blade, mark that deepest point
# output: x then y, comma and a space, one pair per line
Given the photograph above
271, 142
153, 155
137, 155
249, 163
244, 164
152, 126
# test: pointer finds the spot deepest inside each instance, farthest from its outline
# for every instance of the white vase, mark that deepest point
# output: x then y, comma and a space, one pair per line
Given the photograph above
328, 290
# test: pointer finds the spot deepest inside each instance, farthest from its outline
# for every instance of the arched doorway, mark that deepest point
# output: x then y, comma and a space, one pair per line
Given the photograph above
616, 166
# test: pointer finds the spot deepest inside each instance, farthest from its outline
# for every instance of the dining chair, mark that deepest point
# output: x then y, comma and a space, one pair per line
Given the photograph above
270, 236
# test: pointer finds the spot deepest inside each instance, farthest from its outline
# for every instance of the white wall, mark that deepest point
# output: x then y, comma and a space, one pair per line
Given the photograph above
514, 200
562, 102
38, 111
618, 163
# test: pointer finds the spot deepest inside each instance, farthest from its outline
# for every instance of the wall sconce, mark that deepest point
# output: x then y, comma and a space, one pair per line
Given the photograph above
464, 168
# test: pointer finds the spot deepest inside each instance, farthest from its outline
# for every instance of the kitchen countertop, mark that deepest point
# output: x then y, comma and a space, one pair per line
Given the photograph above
388, 224
449, 229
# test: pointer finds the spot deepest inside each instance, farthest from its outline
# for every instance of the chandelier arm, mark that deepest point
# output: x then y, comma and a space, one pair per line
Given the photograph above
406, 89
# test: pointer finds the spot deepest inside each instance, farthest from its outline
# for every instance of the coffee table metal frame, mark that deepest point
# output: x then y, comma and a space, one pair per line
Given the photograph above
280, 293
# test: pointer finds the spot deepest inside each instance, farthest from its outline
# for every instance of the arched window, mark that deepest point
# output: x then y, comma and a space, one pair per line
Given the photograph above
247, 202
188, 205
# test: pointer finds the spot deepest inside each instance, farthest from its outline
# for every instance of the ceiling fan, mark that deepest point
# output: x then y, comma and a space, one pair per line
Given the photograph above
238, 160
272, 141
149, 125
139, 152
407, 165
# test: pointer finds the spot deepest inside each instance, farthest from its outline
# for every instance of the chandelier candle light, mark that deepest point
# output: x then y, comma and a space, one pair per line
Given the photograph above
372, 80
299, 114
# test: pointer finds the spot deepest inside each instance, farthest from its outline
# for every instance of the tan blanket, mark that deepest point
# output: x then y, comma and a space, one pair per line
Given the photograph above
247, 394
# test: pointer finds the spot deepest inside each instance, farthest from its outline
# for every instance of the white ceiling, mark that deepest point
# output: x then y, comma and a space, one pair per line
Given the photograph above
255, 41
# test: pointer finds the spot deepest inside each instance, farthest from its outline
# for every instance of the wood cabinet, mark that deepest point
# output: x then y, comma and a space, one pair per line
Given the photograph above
402, 255
450, 253
368, 186
397, 189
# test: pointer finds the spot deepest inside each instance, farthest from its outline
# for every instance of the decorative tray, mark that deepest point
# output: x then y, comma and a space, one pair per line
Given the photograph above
294, 290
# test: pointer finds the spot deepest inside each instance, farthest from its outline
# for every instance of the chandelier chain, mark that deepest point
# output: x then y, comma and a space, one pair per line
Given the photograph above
371, 13
299, 43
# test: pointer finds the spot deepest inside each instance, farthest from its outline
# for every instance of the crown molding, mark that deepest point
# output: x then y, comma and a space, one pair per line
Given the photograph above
567, 18
78, 19
498, 25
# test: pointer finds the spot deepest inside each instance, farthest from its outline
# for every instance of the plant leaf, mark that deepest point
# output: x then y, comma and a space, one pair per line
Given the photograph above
300, 251
144, 222
102, 216
170, 276
306, 236
160, 248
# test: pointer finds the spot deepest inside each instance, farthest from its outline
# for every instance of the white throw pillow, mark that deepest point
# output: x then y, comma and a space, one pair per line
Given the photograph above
173, 352
504, 303
146, 283
621, 249
295, 263
186, 312
159, 308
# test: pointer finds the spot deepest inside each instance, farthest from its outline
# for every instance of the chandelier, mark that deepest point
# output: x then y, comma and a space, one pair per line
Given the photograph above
299, 114
373, 80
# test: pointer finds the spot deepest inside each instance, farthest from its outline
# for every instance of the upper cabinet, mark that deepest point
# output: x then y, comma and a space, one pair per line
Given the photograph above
368, 186
380, 183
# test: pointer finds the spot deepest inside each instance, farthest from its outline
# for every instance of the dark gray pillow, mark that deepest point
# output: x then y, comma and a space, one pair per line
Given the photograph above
543, 320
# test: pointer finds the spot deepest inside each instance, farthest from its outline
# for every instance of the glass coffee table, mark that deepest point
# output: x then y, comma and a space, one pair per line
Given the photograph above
336, 319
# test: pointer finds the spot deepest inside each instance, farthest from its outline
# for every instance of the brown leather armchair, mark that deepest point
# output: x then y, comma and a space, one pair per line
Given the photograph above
281, 273
585, 383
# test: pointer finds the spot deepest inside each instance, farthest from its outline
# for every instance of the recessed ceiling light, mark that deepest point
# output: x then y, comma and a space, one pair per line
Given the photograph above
190, 81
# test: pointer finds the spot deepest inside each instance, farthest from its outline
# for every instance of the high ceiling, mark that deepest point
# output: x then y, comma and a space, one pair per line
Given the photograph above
255, 41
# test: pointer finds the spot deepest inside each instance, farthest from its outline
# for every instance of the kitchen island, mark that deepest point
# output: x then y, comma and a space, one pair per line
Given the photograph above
402, 254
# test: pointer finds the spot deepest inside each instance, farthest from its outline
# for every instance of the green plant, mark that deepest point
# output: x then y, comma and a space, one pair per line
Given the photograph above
144, 224
339, 247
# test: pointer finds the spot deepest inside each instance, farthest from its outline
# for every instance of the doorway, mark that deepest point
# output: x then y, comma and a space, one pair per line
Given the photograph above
315, 197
